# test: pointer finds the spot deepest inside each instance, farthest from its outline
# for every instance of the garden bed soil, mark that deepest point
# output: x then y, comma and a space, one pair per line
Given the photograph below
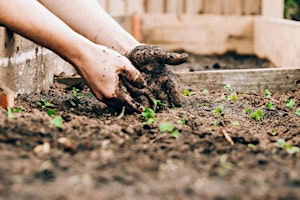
98, 154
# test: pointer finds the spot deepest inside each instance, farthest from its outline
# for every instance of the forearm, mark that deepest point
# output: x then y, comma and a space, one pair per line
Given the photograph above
90, 20
31, 20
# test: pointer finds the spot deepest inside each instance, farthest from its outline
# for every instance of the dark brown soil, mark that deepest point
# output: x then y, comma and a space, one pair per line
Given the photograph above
98, 155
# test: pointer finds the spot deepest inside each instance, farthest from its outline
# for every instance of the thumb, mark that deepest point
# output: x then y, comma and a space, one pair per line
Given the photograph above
145, 54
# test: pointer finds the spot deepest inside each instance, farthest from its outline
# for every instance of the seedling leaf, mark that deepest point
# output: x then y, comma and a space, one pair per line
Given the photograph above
232, 96
235, 123
298, 112
269, 105
51, 112
175, 134
205, 91
57, 121
251, 145
182, 121
186, 92
10, 113
248, 110
156, 103
268, 94
289, 103
149, 113
227, 87
257, 115
166, 127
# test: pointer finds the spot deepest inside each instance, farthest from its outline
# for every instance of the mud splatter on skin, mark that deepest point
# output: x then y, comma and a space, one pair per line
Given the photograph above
152, 62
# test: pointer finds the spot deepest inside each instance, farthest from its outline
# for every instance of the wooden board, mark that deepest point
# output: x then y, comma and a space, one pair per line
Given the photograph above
278, 40
246, 80
194, 6
249, 80
175, 6
273, 8
200, 34
213, 6
251, 7
154, 6
233, 7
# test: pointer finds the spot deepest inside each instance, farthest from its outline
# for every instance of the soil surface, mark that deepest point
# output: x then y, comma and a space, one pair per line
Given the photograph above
227, 61
221, 152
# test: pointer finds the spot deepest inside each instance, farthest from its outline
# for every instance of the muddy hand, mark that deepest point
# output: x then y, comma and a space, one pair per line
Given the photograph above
152, 61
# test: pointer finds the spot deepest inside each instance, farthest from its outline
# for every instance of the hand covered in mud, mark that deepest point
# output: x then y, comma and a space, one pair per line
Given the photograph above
103, 77
152, 61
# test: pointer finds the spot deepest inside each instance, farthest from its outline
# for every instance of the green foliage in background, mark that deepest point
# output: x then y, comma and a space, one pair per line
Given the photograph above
291, 9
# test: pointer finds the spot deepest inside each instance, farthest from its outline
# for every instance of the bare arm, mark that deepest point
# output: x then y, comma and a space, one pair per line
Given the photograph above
99, 65
90, 20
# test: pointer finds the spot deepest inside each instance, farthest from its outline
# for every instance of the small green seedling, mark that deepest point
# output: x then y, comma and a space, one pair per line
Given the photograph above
235, 123
11, 111
257, 115
51, 112
76, 97
219, 111
182, 121
248, 110
289, 148
205, 91
227, 87
251, 145
57, 121
45, 104
186, 92
202, 104
214, 124
232, 96
149, 116
157, 104
289, 103
169, 127
269, 105
268, 94
298, 112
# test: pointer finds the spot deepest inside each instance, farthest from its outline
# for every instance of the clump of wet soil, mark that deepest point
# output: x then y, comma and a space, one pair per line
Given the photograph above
99, 155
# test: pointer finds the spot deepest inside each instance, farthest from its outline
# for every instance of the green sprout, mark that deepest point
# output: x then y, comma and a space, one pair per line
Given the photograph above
257, 115
76, 97
156, 103
227, 87
149, 116
11, 111
182, 121
289, 103
289, 148
251, 145
232, 96
205, 91
219, 111
202, 104
169, 127
235, 123
51, 112
186, 92
248, 110
298, 112
57, 121
45, 104
214, 124
269, 105
268, 94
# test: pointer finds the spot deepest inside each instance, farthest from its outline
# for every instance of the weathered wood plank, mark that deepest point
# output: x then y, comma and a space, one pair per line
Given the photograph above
193, 6
233, 7
213, 6
245, 80
134, 7
273, 8
251, 7
248, 80
154, 6
278, 40
202, 34
175, 6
